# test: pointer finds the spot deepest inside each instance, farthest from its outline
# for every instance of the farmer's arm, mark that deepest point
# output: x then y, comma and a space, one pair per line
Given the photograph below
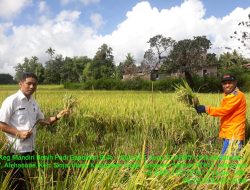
22, 134
231, 103
55, 118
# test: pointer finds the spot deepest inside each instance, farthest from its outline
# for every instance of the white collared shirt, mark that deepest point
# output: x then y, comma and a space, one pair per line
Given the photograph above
21, 113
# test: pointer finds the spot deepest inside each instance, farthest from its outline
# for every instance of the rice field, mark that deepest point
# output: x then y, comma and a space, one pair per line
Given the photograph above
131, 140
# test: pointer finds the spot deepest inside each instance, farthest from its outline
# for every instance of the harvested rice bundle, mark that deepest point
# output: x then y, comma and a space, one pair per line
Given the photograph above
186, 95
69, 102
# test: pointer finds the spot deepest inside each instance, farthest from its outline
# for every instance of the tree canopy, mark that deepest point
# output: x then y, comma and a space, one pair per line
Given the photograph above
6, 79
159, 50
30, 65
187, 56
102, 65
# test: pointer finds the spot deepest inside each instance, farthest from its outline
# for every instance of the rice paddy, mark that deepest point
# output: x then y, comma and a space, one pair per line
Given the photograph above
130, 140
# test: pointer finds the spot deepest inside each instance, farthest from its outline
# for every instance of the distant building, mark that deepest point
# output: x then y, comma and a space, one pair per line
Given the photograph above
155, 74
210, 70
145, 76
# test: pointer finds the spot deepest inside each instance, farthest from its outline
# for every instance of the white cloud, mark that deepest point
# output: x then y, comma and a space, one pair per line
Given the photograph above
97, 20
70, 16
84, 2
10, 8
69, 37
65, 2
43, 7
63, 34
87, 2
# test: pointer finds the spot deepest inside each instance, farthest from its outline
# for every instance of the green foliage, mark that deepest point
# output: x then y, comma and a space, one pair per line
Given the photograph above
54, 70
228, 60
102, 66
133, 84
166, 84
6, 79
128, 66
201, 84
206, 84
159, 49
187, 56
30, 65
102, 84
72, 70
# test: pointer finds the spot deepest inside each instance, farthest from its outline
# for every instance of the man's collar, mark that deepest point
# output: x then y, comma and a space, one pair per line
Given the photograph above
22, 96
234, 92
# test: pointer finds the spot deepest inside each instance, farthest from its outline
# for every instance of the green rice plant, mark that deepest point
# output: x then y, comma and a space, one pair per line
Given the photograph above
122, 121
6, 181
186, 95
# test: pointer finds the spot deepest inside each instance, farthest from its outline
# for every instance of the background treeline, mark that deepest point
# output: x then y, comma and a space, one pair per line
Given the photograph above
207, 84
165, 55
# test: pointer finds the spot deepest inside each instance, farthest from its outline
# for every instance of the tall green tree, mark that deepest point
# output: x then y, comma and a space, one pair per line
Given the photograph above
72, 70
187, 56
102, 65
119, 71
30, 65
54, 70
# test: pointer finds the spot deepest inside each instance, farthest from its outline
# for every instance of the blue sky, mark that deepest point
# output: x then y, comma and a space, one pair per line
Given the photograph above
114, 11
79, 27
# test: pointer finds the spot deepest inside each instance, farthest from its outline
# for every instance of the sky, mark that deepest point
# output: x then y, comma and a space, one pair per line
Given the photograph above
79, 27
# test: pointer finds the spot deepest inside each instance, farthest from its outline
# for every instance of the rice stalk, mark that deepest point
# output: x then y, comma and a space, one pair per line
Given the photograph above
69, 101
186, 95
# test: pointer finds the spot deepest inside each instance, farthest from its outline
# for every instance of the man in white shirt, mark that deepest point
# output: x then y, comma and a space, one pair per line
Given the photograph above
20, 113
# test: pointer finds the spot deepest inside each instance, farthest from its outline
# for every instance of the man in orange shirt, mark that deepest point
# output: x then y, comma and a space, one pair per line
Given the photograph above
232, 113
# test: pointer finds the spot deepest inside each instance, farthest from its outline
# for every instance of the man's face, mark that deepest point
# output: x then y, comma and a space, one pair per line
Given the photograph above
229, 86
28, 86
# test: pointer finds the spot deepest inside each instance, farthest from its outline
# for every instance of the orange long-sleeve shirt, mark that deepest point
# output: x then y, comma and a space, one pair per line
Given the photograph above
232, 115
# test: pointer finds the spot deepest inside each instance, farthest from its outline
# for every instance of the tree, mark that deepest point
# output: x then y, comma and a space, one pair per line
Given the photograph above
87, 73
51, 52
102, 66
128, 66
159, 49
149, 61
187, 56
30, 65
211, 59
72, 70
228, 60
119, 71
233, 63
54, 70
6, 79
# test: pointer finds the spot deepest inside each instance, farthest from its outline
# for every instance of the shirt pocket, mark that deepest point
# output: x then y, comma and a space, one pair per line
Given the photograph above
21, 117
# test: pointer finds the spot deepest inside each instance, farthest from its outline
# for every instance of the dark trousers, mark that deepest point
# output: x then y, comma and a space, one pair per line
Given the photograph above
18, 178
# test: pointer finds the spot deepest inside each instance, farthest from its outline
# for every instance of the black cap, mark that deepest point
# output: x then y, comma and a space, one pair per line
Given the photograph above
228, 77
